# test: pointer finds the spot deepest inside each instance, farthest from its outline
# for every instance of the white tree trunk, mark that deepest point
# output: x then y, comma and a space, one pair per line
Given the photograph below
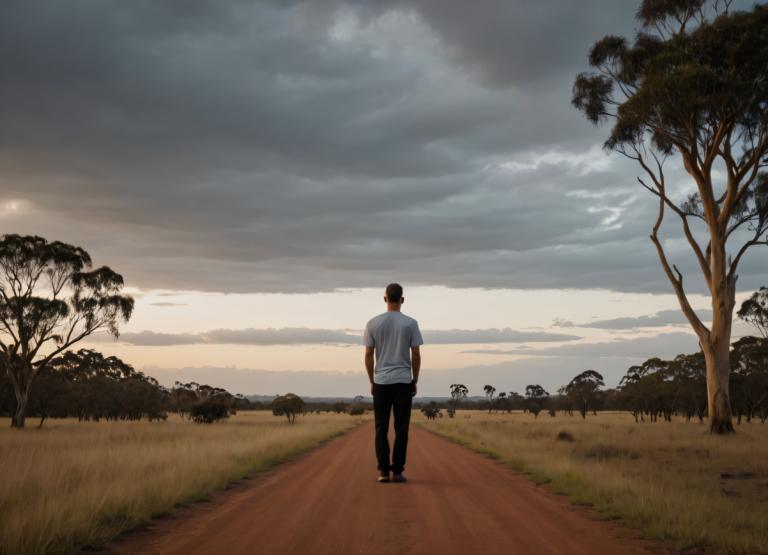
717, 347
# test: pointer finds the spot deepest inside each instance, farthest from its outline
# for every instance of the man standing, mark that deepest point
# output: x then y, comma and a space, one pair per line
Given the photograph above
394, 339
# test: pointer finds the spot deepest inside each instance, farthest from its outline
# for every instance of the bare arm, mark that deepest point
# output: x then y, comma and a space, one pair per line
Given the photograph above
369, 366
415, 365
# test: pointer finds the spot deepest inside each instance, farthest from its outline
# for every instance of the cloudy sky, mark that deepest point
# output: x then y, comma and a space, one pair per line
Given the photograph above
258, 171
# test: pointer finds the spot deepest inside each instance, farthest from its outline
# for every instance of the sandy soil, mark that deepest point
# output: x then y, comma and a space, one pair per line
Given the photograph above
328, 502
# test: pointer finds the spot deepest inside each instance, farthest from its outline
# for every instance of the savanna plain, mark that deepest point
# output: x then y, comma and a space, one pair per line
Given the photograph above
73, 484
672, 481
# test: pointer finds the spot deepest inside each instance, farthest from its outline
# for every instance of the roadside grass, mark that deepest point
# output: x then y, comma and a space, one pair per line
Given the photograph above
74, 484
671, 481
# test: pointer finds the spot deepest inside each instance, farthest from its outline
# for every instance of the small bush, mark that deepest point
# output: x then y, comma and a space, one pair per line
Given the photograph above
562, 435
208, 412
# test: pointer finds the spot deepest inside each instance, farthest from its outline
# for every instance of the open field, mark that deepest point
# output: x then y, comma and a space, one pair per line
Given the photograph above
72, 484
672, 481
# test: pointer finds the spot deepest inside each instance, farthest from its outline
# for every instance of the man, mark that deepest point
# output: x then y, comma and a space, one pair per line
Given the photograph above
394, 339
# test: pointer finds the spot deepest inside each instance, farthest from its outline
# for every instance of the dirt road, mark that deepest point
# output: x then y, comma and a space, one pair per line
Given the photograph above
328, 502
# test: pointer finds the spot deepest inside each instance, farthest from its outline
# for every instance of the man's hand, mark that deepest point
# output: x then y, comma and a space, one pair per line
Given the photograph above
373, 389
413, 389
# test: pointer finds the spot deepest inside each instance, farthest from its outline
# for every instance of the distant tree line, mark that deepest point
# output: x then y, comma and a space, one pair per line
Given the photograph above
89, 386
656, 390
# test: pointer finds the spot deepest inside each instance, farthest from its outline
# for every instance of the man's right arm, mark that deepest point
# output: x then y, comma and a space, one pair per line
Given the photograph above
369, 367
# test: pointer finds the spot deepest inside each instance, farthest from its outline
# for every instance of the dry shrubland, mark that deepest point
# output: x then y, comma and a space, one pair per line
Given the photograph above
670, 480
80, 483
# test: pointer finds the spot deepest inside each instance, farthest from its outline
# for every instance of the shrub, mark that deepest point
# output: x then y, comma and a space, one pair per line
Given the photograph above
562, 435
209, 411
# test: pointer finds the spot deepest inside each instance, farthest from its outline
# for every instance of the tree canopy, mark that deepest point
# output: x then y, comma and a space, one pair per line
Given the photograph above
693, 85
51, 298
754, 311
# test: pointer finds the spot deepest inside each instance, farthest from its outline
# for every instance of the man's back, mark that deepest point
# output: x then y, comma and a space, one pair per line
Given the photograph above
392, 334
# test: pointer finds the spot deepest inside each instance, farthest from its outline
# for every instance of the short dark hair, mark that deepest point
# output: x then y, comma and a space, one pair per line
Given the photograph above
394, 292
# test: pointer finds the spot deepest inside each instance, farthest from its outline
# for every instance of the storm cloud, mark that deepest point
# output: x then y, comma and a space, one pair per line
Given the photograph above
304, 146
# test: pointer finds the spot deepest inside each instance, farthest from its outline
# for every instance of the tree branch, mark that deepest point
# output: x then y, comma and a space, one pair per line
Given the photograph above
677, 280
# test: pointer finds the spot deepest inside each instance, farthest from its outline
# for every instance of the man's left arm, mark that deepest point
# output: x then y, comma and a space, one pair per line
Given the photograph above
416, 342
415, 366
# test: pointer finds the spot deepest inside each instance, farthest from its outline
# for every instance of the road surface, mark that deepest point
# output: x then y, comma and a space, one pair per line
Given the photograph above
328, 502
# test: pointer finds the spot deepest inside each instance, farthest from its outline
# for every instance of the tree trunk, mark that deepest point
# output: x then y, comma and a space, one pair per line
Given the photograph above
716, 350
22, 385
20, 415
718, 397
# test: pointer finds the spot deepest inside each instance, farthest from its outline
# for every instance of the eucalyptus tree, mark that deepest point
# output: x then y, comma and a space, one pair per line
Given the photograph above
458, 392
693, 86
501, 401
288, 405
583, 389
50, 298
489, 393
754, 311
535, 399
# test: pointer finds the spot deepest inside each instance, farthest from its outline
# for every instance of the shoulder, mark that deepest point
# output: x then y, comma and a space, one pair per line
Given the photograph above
373, 322
409, 321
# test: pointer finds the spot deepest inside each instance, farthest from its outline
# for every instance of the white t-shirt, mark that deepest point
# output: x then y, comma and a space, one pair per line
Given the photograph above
392, 334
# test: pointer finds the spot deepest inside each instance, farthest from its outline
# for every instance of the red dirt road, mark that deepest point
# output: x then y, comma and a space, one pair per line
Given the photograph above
328, 502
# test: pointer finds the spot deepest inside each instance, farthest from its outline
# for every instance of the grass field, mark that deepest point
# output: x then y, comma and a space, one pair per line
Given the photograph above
672, 481
73, 484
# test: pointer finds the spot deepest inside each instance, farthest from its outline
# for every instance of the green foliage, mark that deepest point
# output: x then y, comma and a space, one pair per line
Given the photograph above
749, 378
754, 311
678, 86
458, 392
583, 389
203, 403
209, 411
339, 407
90, 387
661, 388
288, 405
50, 299
431, 411
536, 397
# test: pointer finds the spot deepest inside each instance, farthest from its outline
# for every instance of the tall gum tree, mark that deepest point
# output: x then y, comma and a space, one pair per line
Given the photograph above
694, 86
50, 299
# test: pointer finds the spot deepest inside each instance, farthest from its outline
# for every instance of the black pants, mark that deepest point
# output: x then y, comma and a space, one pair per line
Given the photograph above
397, 398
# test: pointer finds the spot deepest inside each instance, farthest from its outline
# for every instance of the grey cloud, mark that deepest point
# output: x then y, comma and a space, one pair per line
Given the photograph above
167, 304
458, 337
254, 146
152, 339
665, 345
308, 336
514, 43
268, 336
282, 336
660, 319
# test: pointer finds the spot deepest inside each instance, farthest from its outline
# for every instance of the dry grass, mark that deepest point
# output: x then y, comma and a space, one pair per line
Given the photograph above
672, 481
73, 484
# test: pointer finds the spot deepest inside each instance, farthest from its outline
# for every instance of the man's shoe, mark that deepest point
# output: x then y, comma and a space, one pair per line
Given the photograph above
383, 477
399, 478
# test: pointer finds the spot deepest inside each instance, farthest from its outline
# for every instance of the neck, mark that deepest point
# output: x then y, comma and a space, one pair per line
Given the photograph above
393, 307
